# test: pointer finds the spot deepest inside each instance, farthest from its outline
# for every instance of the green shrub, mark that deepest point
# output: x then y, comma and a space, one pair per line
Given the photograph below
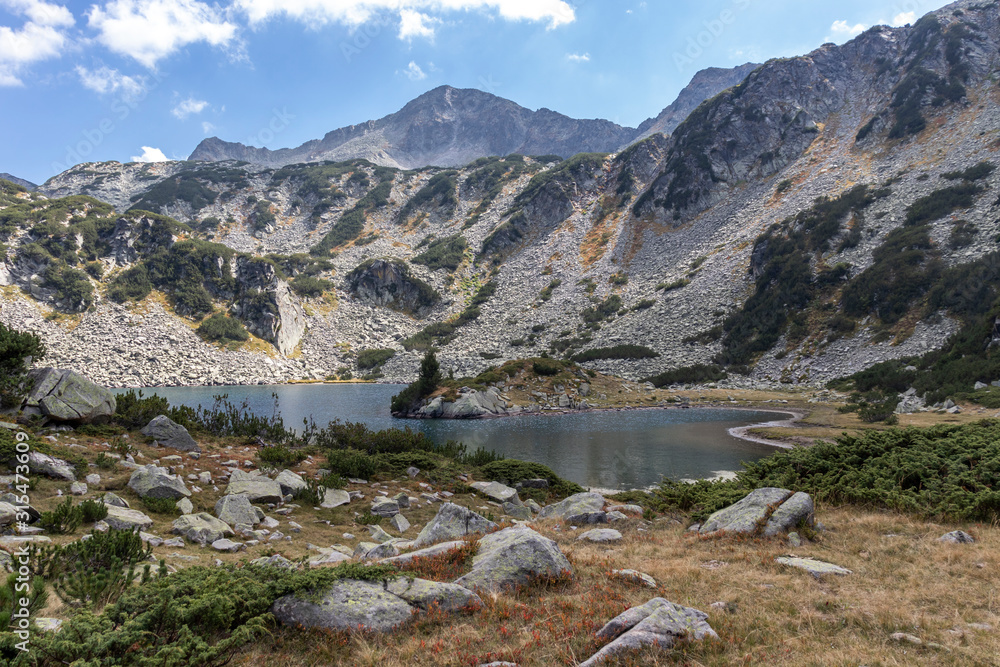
130, 285
280, 456
603, 310
160, 505
447, 253
16, 349
310, 286
616, 352
697, 374
93, 510
368, 359
351, 463
222, 328
513, 471
65, 518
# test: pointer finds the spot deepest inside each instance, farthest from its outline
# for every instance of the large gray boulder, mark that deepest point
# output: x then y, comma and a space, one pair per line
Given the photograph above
202, 528
335, 498
580, 508
153, 482
122, 518
8, 514
50, 466
370, 605
658, 623
816, 568
450, 523
514, 557
497, 492
386, 507
236, 510
167, 433
427, 552
766, 512
66, 396
290, 483
257, 488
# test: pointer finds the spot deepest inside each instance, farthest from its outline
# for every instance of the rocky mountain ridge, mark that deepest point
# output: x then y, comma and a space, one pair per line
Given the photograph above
20, 181
741, 240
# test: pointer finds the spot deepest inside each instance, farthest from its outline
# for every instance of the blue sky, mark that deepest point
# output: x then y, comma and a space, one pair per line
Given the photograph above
149, 79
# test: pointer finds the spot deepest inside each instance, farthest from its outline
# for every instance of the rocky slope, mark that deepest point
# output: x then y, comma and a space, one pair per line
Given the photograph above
705, 85
705, 246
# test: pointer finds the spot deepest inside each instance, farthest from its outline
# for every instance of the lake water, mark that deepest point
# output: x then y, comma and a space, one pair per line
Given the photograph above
627, 449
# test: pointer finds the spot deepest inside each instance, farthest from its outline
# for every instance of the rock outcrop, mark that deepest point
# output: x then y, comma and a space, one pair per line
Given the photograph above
450, 523
515, 557
152, 481
166, 433
765, 512
65, 396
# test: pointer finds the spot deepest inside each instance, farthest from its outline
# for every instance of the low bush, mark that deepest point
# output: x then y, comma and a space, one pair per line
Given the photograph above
689, 375
616, 352
222, 328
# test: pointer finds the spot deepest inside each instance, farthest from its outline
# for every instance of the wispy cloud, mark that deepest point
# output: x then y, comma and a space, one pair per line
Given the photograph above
189, 107
107, 81
905, 18
578, 57
414, 72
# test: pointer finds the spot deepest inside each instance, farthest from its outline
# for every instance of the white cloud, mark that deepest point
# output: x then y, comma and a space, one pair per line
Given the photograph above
149, 30
356, 12
414, 72
106, 81
414, 24
43, 36
841, 30
578, 57
150, 154
207, 127
904, 18
189, 107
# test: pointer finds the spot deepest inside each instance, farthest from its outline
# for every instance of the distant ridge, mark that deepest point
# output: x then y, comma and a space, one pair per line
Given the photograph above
20, 181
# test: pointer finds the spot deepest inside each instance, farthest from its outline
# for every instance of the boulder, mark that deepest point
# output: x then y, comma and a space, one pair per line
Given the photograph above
50, 466
816, 568
386, 507
11, 499
335, 498
514, 557
332, 558
601, 536
122, 518
579, 508
153, 482
347, 605
114, 499
167, 433
768, 512
66, 396
957, 537
497, 492
659, 623
236, 510
227, 545
257, 488
277, 560
519, 512
78, 489
290, 483
373, 606
634, 577
202, 528
379, 535
429, 552
185, 506
422, 594
400, 523
450, 523
8, 514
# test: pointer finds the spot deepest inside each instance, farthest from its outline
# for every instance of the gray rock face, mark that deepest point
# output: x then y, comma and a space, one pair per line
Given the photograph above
166, 433
50, 466
67, 396
335, 498
153, 482
122, 518
497, 492
576, 508
659, 622
389, 283
767, 512
386, 507
450, 523
375, 606
514, 557
601, 536
957, 537
268, 307
816, 568
202, 528
290, 482
236, 510
347, 605
257, 488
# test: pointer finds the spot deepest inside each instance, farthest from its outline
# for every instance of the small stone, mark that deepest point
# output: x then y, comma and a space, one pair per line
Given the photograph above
93, 479
226, 545
78, 489
957, 537
794, 540
634, 577
601, 536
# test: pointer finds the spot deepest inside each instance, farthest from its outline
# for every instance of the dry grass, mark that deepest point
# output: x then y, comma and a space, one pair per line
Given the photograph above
904, 581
